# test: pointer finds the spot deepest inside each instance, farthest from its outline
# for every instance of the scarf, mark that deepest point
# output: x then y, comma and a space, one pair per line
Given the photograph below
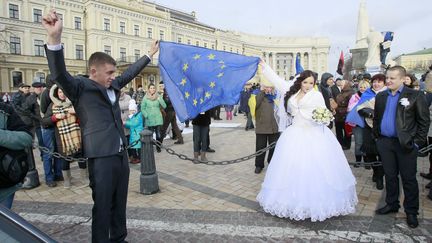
353, 116
68, 128
155, 96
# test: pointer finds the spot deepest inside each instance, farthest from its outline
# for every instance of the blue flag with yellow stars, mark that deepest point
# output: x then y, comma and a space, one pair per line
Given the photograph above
198, 79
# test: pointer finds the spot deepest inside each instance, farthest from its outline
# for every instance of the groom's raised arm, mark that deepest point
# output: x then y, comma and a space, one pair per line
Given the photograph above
55, 55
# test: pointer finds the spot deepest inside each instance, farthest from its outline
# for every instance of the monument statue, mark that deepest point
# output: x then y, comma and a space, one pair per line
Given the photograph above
362, 27
374, 39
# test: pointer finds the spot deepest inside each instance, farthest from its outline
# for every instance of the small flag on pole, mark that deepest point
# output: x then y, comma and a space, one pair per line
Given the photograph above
299, 67
340, 64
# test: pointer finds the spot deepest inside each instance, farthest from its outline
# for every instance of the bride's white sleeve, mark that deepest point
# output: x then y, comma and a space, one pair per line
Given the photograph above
280, 84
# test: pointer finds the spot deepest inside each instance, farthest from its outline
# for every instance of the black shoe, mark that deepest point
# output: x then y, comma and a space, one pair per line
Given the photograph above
258, 170
428, 186
58, 178
158, 150
345, 148
426, 175
368, 167
210, 150
412, 220
387, 209
51, 184
379, 184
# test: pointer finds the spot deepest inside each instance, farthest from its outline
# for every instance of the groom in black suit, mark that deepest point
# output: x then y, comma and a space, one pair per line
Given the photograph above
401, 124
96, 102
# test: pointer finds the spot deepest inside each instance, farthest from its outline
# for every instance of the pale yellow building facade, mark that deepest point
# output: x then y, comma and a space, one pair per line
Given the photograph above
125, 29
416, 62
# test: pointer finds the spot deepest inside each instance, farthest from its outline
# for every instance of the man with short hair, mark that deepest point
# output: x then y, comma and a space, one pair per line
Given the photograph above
400, 124
96, 102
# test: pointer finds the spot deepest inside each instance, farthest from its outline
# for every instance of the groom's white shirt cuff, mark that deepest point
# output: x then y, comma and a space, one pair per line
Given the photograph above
54, 47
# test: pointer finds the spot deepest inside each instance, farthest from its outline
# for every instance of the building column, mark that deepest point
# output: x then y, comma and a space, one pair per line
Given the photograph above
309, 61
267, 58
274, 60
293, 64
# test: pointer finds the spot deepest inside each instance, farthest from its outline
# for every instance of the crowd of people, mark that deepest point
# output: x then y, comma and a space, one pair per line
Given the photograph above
97, 117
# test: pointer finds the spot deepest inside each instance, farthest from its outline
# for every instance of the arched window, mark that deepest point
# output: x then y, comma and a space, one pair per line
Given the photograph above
17, 78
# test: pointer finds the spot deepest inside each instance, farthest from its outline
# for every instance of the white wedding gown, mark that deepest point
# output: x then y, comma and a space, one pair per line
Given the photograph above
308, 176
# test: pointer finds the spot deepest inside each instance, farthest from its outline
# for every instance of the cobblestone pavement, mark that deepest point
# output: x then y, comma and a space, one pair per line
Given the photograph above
200, 203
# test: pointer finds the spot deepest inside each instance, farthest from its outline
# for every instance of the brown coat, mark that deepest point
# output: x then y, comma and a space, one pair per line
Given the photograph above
342, 101
264, 115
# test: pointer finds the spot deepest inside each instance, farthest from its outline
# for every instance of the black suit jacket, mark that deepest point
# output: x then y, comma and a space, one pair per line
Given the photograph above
100, 121
412, 121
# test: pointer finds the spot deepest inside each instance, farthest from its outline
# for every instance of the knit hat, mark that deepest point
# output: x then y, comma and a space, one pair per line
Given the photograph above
132, 105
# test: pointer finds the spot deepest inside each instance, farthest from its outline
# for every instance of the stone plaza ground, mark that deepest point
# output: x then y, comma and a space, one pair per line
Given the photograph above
203, 203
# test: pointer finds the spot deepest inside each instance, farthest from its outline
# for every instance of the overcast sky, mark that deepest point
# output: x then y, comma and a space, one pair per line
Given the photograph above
336, 19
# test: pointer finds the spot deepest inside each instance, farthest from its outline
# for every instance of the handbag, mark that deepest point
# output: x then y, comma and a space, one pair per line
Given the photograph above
13, 167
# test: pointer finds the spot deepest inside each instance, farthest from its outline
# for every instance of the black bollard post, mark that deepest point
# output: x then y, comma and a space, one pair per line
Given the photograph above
149, 179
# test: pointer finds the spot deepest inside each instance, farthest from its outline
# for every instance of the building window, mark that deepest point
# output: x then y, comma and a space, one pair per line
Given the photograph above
213, 46
197, 43
137, 54
107, 24
149, 33
179, 40
77, 23
205, 45
224, 48
136, 30
161, 35
189, 41
231, 49
37, 15
122, 54
107, 50
79, 52
16, 79
39, 48
13, 11
39, 77
15, 45
122, 27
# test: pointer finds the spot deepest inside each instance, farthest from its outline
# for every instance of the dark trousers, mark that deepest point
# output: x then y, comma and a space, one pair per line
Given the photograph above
109, 178
217, 112
262, 140
170, 118
378, 170
342, 137
395, 161
200, 138
430, 156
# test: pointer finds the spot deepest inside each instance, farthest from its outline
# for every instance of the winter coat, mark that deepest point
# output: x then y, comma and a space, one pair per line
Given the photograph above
151, 112
264, 115
124, 109
342, 100
135, 126
325, 90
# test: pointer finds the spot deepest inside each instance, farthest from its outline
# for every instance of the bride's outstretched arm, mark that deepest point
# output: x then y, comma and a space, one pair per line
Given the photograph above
280, 84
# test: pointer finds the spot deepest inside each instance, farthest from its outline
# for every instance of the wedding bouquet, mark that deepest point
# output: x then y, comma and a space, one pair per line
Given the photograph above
322, 116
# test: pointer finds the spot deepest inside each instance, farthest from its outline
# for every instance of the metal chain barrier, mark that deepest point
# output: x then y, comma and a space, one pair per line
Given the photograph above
73, 159
195, 161
210, 162
248, 157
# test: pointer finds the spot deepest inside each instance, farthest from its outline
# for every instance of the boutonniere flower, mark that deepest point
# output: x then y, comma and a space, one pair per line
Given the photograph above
404, 102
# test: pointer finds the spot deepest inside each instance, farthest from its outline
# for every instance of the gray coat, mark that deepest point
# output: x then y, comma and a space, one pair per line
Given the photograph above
264, 116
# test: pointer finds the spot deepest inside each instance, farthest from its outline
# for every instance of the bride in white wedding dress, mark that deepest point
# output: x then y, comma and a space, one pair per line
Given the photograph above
308, 176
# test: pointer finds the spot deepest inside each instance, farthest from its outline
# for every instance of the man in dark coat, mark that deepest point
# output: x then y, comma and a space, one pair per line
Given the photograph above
400, 124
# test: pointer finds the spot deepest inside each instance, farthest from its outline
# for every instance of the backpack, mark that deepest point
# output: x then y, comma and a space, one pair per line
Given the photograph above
13, 167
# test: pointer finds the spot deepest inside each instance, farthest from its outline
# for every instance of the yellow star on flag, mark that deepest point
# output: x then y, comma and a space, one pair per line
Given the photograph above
207, 95
221, 62
212, 84
220, 75
195, 102
197, 56
201, 100
187, 95
223, 66
211, 57
183, 82
185, 67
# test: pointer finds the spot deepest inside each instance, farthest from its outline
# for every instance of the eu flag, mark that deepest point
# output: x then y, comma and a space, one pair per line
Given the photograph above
299, 67
198, 79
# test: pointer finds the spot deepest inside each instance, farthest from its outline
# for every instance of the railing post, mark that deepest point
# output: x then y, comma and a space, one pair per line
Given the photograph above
149, 179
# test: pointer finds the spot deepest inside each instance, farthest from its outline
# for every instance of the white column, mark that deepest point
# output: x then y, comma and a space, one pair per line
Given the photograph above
274, 61
267, 58
293, 64
309, 61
